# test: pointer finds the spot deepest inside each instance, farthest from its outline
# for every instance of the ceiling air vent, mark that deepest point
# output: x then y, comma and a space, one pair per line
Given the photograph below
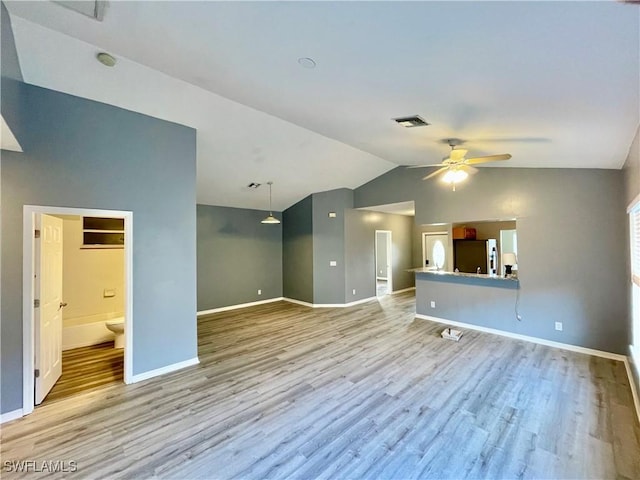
412, 121
253, 185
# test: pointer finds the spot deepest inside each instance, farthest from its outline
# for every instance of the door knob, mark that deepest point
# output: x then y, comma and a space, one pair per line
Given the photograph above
62, 305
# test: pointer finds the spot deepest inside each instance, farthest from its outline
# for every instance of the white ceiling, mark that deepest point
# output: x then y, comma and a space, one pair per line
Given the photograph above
556, 84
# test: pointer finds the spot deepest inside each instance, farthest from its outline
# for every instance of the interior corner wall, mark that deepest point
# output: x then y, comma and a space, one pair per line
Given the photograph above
237, 256
361, 226
329, 245
84, 154
571, 242
297, 251
631, 170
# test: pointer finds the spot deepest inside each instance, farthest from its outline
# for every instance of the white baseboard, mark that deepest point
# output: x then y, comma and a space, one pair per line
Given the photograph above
329, 305
403, 290
161, 371
240, 305
526, 338
7, 417
633, 363
298, 302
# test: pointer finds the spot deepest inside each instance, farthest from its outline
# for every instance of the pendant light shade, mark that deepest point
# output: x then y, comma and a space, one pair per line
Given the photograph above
270, 219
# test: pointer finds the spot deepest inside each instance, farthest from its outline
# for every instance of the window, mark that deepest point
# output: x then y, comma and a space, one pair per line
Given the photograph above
98, 232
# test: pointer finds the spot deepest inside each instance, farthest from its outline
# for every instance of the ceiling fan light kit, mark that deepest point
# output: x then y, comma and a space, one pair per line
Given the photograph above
456, 167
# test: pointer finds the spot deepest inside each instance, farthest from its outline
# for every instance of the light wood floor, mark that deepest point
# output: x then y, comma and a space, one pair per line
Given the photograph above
284, 391
88, 368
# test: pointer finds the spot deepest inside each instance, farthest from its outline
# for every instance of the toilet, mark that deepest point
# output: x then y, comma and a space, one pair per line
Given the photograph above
117, 326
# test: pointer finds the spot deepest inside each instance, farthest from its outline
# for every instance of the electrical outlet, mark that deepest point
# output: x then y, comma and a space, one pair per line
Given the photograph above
433, 304
259, 292
559, 326
333, 263
354, 291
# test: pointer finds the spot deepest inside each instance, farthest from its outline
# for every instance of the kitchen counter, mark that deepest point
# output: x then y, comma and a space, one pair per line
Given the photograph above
477, 277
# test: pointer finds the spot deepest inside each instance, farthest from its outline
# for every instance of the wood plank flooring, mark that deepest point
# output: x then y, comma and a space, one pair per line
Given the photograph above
88, 368
368, 392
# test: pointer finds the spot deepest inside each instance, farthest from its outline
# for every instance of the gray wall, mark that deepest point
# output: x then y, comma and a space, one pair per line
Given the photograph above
361, 226
80, 153
329, 245
297, 251
237, 256
447, 292
571, 241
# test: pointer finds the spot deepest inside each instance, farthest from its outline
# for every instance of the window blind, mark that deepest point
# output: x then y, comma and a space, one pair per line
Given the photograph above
634, 216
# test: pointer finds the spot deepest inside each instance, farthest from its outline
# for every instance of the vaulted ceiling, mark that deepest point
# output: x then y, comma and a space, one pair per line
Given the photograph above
556, 84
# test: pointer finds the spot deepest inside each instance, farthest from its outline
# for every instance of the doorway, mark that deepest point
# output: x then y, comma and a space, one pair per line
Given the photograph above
42, 296
435, 251
384, 262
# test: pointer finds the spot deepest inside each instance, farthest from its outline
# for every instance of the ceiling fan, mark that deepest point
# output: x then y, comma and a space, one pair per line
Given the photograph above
456, 167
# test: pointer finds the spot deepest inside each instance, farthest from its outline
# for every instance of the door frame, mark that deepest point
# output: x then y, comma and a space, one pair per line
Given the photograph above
424, 241
389, 260
28, 290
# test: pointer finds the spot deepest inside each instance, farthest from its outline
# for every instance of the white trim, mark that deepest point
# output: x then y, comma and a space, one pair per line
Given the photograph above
526, 338
389, 266
351, 304
239, 305
381, 278
329, 305
9, 416
632, 384
633, 203
28, 261
162, 370
403, 290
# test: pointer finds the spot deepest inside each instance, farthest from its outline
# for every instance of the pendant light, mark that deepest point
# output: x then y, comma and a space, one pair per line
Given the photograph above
270, 218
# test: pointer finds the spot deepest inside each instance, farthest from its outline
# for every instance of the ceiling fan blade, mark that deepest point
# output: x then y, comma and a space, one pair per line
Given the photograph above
437, 172
425, 166
469, 169
457, 154
488, 158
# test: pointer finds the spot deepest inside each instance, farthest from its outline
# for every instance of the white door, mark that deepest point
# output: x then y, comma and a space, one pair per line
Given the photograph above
435, 251
48, 318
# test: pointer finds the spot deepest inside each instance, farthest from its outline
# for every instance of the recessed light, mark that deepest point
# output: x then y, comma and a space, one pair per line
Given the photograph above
412, 121
307, 62
106, 59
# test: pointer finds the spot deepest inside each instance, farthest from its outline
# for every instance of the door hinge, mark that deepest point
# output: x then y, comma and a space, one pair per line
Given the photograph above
36, 303
36, 234
36, 373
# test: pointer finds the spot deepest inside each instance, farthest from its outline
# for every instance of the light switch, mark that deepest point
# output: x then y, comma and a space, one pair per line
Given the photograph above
108, 293
333, 263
